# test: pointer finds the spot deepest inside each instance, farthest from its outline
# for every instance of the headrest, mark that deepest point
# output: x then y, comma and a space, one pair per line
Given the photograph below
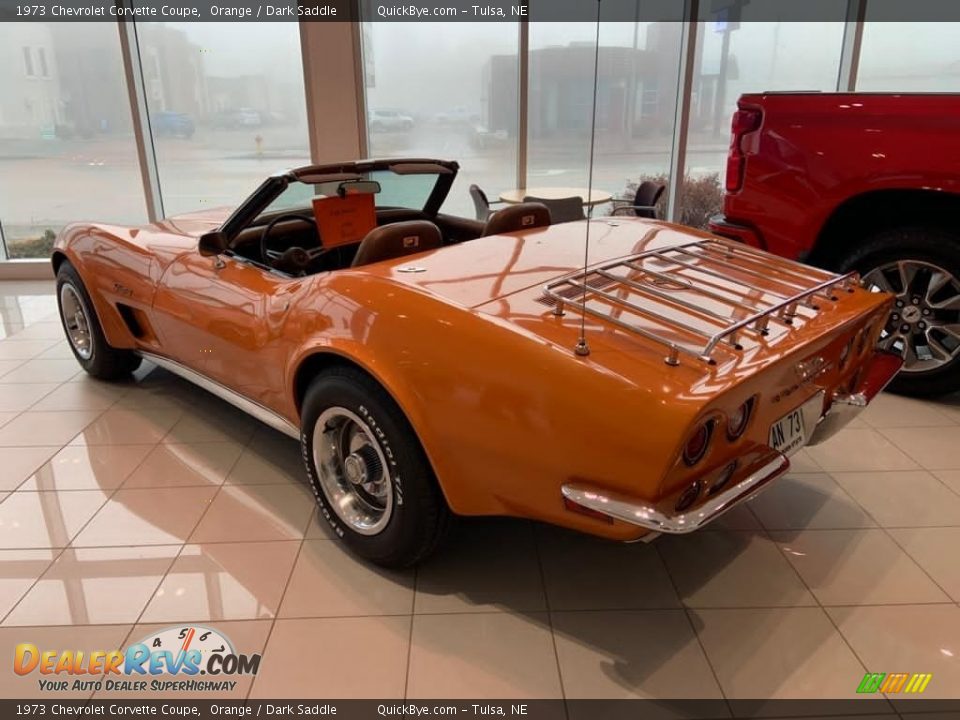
397, 240
523, 216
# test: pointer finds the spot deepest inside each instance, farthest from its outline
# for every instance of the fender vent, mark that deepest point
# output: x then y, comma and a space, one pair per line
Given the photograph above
129, 316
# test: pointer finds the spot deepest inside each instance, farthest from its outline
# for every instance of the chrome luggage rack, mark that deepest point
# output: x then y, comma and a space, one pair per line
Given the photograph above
758, 289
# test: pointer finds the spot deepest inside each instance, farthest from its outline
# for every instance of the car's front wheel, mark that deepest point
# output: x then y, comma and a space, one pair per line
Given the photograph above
373, 482
84, 333
920, 266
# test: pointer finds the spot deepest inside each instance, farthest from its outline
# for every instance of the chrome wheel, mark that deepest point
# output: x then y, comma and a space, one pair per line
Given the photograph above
352, 470
75, 321
924, 325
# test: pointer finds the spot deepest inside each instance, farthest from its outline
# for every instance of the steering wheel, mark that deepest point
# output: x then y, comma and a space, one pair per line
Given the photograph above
294, 259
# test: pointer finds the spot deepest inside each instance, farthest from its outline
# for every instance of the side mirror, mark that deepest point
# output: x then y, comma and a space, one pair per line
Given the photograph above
213, 243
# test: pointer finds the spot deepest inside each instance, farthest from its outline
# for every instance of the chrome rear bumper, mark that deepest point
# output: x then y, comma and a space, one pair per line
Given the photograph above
762, 465
768, 466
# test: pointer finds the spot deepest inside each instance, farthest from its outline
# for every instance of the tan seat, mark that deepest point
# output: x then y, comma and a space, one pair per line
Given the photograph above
397, 240
523, 216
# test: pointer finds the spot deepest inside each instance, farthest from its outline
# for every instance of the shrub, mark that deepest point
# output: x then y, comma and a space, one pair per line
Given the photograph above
37, 247
700, 197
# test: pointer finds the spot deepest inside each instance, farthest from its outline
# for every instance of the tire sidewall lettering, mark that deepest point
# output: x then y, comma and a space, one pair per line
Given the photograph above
387, 452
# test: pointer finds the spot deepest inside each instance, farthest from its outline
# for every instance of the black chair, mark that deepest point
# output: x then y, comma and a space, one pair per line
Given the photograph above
568, 209
480, 203
644, 202
513, 218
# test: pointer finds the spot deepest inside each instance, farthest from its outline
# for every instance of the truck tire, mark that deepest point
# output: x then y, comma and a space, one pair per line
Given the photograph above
921, 266
372, 480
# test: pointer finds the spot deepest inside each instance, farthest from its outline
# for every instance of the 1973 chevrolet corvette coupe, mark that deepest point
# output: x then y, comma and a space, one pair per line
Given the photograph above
432, 365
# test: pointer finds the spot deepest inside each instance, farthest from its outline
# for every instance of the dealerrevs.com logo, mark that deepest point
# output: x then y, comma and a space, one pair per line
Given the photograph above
181, 654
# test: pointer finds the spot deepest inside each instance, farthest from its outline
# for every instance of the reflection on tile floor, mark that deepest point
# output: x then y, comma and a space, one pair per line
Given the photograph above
128, 507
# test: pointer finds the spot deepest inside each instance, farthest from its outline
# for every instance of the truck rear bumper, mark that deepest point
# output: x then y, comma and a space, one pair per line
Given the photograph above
719, 225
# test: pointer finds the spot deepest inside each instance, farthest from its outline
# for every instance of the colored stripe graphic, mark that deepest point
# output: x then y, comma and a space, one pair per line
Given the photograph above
871, 682
894, 682
918, 683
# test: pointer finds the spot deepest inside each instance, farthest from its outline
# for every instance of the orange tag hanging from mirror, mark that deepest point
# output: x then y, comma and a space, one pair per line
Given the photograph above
344, 220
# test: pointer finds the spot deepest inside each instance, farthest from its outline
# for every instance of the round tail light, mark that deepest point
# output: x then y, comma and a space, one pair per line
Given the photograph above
739, 419
696, 446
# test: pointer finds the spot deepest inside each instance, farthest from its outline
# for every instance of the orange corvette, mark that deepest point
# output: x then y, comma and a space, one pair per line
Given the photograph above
433, 365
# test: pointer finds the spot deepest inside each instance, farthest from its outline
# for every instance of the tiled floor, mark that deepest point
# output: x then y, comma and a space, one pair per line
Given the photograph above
127, 508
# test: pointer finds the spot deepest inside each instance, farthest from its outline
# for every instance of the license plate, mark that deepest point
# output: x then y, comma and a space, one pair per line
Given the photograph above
788, 434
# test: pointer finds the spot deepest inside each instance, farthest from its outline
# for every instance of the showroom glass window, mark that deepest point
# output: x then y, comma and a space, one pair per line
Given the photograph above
446, 90
636, 103
736, 58
226, 106
67, 150
908, 56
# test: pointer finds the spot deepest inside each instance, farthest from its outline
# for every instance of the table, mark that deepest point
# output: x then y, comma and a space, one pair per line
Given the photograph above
596, 197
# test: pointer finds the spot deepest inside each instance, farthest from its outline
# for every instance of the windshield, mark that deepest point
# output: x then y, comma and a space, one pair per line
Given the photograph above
396, 191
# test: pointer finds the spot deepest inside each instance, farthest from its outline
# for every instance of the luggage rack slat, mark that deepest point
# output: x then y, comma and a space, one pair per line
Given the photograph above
769, 273
760, 314
662, 295
731, 253
760, 256
739, 268
621, 304
712, 273
678, 280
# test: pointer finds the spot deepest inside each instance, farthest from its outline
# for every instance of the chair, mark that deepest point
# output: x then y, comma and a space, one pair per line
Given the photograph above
644, 202
480, 203
562, 210
397, 240
523, 216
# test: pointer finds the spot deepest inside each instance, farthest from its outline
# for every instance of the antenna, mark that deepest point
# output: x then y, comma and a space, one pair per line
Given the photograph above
582, 348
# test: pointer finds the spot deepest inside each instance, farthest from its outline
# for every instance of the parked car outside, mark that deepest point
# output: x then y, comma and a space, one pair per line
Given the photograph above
385, 120
239, 118
459, 115
172, 124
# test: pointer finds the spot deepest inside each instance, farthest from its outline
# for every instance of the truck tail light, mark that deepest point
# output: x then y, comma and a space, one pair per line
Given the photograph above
744, 121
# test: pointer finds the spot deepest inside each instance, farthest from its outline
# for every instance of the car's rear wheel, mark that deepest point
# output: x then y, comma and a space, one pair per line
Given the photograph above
84, 333
920, 266
371, 477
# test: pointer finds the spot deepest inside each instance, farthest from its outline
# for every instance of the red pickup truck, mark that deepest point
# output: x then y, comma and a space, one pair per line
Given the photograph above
867, 182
